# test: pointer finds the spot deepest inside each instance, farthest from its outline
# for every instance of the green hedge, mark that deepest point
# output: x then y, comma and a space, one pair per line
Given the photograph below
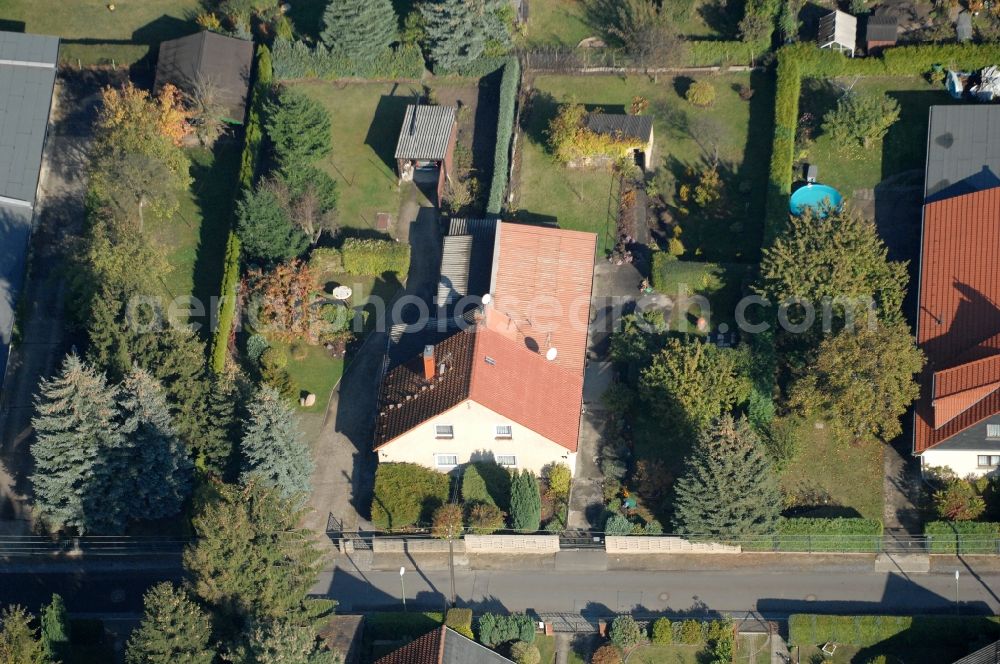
296, 59
963, 536
509, 83
476, 68
867, 631
253, 137
394, 626
804, 60
407, 494
829, 535
364, 256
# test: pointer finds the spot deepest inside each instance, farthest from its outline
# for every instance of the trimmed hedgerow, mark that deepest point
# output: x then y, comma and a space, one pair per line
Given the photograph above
395, 626
867, 631
253, 138
364, 256
296, 59
407, 494
828, 535
509, 83
963, 536
460, 620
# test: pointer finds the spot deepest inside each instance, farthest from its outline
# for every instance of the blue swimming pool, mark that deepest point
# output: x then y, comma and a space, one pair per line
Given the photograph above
815, 196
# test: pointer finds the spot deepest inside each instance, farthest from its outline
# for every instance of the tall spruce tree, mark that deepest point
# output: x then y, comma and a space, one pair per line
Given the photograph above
159, 470
285, 642
250, 559
299, 129
215, 445
525, 502
56, 630
728, 487
77, 451
461, 31
272, 446
359, 30
174, 630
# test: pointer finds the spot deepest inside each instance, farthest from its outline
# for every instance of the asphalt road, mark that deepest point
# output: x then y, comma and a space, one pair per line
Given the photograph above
105, 591
773, 594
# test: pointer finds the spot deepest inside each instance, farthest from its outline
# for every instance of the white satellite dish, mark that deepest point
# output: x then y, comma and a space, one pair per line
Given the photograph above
487, 298
550, 354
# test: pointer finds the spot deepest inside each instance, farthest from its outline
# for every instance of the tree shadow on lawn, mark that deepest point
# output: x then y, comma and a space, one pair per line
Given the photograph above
905, 145
214, 190
723, 17
383, 132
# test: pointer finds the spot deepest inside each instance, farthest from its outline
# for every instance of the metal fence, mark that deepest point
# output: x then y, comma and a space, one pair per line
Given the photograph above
31, 546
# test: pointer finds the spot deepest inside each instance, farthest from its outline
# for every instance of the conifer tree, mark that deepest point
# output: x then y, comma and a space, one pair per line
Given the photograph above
55, 630
525, 502
77, 451
728, 487
299, 129
272, 446
158, 468
174, 630
215, 445
359, 30
284, 642
461, 31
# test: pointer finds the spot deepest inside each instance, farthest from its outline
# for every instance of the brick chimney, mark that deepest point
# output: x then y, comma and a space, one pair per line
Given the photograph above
428, 362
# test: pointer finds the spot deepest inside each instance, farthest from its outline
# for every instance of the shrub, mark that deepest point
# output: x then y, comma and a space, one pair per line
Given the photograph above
486, 519
274, 358
460, 620
958, 500
662, 633
701, 93
835, 535
525, 502
256, 345
860, 119
963, 537
618, 524
625, 632
496, 629
690, 633
525, 653
486, 482
606, 654
296, 60
509, 84
447, 522
559, 477
375, 257
406, 493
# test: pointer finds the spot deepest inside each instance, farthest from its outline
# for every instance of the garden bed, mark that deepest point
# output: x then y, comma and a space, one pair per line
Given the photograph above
732, 132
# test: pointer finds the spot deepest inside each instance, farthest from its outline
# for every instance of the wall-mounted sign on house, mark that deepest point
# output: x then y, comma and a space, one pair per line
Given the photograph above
426, 145
957, 417
208, 60
630, 127
510, 388
838, 31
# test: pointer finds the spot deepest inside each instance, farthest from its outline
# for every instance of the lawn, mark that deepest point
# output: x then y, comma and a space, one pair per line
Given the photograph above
735, 132
195, 238
565, 22
904, 147
366, 121
720, 283
315, 371
93, 34
833, 477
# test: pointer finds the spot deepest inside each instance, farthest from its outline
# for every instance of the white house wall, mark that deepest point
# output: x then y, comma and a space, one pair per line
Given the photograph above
962, 462
474, 440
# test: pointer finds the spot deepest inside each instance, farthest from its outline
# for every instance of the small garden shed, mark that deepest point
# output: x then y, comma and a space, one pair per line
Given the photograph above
637, 128
426, 146
881, 31
838, 31
208, 59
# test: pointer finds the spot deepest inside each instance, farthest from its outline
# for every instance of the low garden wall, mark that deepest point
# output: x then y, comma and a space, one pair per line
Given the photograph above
640, 544
390, 545
511, 543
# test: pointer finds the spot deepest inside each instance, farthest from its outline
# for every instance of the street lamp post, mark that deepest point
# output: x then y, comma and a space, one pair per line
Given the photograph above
402, 571
958, 603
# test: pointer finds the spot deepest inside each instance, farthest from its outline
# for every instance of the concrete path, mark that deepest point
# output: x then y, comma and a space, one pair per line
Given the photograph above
564, 643
901, 488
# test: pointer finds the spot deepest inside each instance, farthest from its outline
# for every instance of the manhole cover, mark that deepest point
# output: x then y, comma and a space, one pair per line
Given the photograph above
118, 596
664, 597
810, 598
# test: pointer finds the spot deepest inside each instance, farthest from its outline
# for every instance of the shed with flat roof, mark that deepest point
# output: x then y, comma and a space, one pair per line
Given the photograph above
27, 76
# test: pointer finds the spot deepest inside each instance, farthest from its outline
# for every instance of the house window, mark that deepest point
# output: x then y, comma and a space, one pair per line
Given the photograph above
504, 431
993, 430
988, 460
446, 460
444, 431
507, 460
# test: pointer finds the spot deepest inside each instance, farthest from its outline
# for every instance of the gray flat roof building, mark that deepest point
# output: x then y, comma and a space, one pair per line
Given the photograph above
27, 76
963, 150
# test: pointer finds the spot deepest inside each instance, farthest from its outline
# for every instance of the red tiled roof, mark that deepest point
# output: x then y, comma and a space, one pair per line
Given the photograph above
526, 388
428, 649
958, 322
542, 282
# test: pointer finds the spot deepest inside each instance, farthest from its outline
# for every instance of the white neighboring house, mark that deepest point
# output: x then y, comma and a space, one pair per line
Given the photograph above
957, 417
509, 388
